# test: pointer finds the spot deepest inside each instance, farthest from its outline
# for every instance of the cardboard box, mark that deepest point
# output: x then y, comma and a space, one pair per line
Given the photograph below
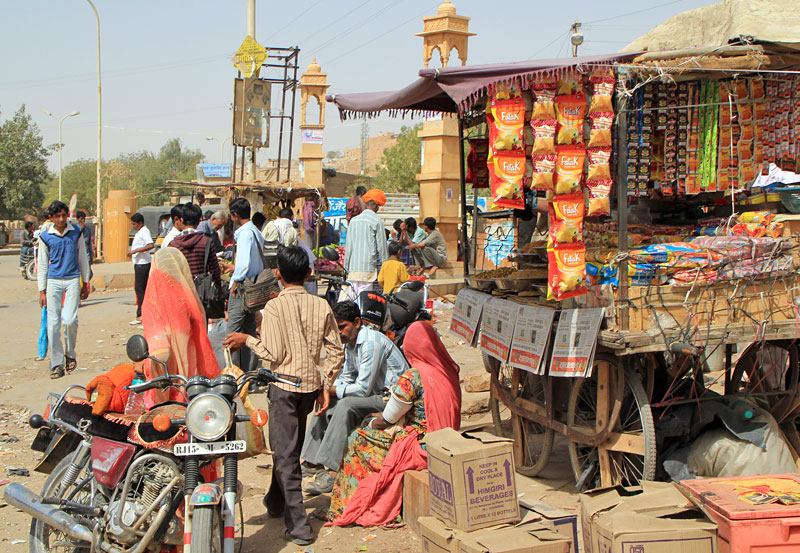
437, 537
653, 518
472, 480
560, 521
416, 498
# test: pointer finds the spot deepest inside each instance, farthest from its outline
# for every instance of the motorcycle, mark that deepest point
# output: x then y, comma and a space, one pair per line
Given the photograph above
390, 313
27, 263
116, 482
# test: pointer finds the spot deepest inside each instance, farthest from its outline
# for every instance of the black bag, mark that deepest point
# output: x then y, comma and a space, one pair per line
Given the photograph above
210, 294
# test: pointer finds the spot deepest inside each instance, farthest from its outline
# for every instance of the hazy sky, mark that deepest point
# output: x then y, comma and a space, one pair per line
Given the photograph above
167, 72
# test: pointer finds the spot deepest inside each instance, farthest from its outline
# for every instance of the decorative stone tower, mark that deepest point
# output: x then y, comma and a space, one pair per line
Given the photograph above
439, 179
313, 84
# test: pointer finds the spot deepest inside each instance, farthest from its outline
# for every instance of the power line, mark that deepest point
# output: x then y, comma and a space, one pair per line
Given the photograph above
546, 46
321, 30
289, 24
635, 12
356, 26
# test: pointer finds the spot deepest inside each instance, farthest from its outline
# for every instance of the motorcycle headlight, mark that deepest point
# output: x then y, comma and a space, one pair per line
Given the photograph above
209, 416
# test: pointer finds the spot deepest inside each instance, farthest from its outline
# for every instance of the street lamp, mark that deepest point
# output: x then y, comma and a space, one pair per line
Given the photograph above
221, 146
60, 143
99, 217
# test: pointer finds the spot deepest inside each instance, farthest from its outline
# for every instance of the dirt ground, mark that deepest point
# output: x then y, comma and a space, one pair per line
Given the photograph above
103, 331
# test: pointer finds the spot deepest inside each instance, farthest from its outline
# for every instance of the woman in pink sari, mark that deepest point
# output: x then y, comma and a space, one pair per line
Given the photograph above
427, 397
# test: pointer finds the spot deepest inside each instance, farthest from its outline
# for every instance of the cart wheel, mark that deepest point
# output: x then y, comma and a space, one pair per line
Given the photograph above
767, 374
533, 442
630, 453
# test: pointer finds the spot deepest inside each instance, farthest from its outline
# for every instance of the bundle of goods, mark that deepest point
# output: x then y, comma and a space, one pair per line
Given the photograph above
755, 224
477, 159
322, 264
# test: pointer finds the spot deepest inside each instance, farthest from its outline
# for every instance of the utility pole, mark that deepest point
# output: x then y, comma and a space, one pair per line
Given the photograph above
251, 31
99, 214
364, 144
60, 143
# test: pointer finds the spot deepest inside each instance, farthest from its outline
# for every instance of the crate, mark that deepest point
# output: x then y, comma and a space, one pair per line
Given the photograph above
717, 304
743, 527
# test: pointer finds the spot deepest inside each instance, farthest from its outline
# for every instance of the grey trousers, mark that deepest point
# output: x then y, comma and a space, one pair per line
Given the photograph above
427, 257
326, 437
239, 321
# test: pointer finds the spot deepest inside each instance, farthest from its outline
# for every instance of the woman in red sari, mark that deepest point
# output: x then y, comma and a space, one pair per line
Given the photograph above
427, 397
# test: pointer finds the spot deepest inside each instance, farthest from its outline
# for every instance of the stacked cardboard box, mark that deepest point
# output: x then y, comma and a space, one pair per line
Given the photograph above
473, 498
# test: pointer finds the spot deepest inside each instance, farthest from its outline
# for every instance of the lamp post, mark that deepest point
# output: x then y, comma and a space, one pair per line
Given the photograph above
221, 146
99, 217
60, 143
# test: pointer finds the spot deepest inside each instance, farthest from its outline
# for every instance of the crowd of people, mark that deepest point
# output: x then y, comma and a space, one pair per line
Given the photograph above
372, 403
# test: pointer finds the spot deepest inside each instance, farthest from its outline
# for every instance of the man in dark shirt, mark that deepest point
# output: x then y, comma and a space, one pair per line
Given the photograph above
192, 244
355, 205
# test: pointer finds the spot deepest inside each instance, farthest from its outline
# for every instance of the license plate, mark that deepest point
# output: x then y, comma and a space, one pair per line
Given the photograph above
210, 448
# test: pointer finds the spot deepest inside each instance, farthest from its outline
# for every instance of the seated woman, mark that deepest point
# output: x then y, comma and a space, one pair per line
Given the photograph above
427, 397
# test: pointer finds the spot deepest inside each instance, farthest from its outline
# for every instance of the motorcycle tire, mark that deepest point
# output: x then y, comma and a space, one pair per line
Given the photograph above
206, 529
40, 534
30, 270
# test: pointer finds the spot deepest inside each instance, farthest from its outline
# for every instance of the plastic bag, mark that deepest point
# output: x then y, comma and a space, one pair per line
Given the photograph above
506, 172
544, 136
506, 125
543, 169
566, 219
569, 169
566, 271
570, 112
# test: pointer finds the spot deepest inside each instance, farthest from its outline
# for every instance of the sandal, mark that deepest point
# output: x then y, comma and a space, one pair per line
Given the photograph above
57, 372
71, 364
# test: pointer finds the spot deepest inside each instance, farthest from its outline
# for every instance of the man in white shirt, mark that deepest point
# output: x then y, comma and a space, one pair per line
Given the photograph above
281, 230
140, 252
175, 213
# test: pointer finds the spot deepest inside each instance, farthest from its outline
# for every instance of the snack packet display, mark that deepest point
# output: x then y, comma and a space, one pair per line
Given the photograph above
570, 112
506, 173
570, 84
600, 134
506, 125
569, 169
566, 219
544, 136
599, 197
544, 106
566, 271
602, 97
544, 167
599, 164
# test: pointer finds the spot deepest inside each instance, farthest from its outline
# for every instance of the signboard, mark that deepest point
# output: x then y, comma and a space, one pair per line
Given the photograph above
499, 241
467, 314
249, 57
338, 208
575, 342
499, 318
312, 136
531, 336
208, 173
251, 105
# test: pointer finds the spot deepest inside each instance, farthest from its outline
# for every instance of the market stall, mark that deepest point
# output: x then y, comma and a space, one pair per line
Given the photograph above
662, 279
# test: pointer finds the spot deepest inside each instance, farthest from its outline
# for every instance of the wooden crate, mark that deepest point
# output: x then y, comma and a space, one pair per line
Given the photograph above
416, 498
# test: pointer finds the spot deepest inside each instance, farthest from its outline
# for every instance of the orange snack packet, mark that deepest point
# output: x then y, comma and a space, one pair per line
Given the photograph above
544, 136
506, 173
599, 160
599, 201
506, 125
570, 112
566, 219
570, 84
544, 167
600, 134
566, 271
602, 97
569, 169
544, 107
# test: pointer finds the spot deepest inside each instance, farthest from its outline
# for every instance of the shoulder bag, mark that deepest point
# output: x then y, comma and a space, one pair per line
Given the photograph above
208, 290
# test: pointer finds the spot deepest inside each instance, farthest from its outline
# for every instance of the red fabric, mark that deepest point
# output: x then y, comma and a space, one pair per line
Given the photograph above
354, 206
378, 498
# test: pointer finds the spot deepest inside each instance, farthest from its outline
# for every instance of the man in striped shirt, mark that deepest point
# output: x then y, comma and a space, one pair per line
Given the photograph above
366, 247
296, 326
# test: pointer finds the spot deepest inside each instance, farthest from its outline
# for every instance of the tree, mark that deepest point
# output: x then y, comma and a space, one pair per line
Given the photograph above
23, 167
80, 178
333, 154
401, 163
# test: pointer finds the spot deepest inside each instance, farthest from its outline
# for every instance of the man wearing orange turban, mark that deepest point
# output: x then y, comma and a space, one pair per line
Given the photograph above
366, 247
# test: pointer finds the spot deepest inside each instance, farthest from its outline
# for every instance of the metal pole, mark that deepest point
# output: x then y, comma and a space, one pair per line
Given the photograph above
296, 63
622, 212
99, 217
251, 30
463, 194
60, 150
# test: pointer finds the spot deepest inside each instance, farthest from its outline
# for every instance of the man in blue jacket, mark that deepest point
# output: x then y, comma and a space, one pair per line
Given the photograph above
63, 263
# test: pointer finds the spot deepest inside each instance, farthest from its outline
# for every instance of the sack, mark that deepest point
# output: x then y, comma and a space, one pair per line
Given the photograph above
255, 293
209, 292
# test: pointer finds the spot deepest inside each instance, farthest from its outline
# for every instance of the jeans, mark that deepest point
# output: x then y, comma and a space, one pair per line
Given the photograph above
66, 316
239, 321
141, 272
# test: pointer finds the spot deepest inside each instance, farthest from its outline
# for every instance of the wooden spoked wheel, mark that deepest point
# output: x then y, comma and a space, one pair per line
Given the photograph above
629, 454
767, 374
533, 442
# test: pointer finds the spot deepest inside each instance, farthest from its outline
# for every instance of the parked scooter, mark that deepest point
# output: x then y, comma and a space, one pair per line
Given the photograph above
116, 484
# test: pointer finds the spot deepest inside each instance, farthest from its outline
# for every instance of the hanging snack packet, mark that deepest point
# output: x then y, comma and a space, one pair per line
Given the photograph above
566, 219
602, 97
600, 134
570, 111
506, 125
599, 201
544, 167
506, 171
544, 107
569, 169
599, 160
570, 84
566, 271
544, 136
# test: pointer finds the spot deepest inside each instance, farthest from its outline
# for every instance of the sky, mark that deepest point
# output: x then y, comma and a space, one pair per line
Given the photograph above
167, 70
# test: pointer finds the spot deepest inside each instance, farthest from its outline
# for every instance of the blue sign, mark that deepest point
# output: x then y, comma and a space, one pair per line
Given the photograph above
213, 171
338, 208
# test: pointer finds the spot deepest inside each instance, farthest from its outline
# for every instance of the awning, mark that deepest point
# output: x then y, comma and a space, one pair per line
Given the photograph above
456, 89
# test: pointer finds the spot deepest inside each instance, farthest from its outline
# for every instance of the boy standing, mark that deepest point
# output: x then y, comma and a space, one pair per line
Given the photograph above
393, 271
294, 329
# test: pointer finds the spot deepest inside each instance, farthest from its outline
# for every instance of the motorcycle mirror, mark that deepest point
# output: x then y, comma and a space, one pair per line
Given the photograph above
330, 254
415, 285
136, 348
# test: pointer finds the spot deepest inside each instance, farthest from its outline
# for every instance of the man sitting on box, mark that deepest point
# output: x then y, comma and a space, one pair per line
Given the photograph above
372, 363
